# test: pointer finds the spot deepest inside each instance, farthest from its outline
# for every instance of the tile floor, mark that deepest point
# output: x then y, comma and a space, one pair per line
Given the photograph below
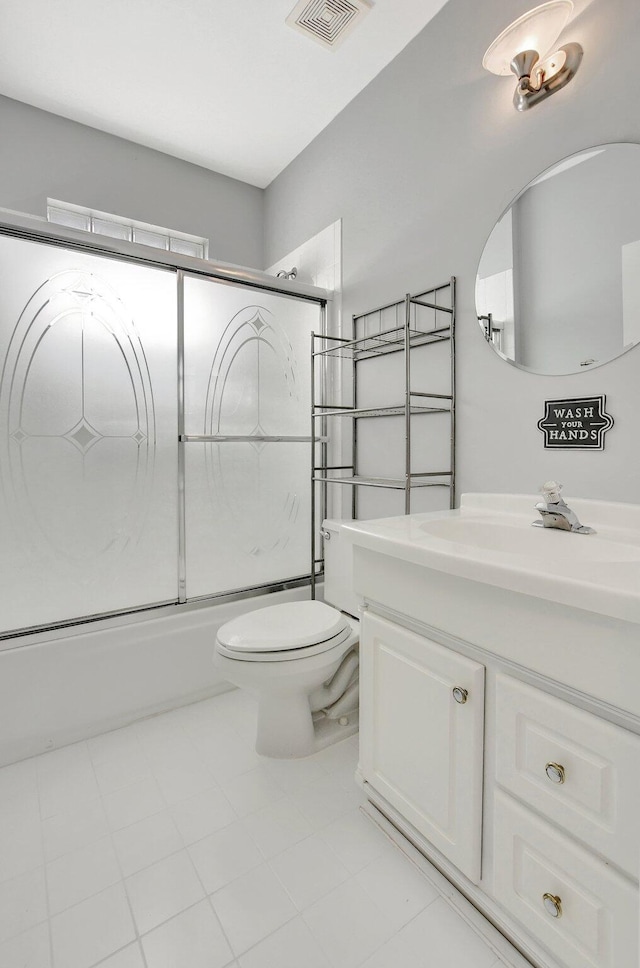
172, 844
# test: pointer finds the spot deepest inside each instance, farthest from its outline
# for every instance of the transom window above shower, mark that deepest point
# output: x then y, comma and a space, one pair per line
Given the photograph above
117, 227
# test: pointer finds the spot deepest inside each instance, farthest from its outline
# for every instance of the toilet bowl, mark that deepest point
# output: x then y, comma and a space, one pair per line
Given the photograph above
301, 661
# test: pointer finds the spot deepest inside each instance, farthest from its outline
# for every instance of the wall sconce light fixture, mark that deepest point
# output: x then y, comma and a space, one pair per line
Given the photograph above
524, 50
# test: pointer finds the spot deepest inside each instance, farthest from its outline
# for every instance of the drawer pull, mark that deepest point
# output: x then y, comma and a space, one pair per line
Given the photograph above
460, 695
555, 772
552, 905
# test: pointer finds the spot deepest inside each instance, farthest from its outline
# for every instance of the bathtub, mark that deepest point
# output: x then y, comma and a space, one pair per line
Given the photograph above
60, 687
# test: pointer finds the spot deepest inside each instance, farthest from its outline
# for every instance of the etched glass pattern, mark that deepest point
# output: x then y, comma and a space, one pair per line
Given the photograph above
88, 423
247, 373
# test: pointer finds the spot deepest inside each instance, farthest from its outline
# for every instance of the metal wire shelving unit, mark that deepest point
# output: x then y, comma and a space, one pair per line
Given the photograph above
425, 318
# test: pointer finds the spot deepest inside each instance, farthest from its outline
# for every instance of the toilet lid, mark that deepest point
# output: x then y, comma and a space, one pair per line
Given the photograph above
339, 644
278, 628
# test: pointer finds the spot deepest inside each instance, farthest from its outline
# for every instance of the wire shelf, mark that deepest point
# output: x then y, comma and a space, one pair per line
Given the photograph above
380, 411
394, 483
398, 327
389, 341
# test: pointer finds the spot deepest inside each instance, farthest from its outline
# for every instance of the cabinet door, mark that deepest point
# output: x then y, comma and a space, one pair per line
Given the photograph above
420, 748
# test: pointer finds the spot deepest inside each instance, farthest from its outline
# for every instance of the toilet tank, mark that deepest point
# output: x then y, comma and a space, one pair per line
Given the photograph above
338, 568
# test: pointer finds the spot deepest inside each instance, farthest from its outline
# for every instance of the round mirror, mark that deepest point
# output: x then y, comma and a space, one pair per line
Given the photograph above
558, 285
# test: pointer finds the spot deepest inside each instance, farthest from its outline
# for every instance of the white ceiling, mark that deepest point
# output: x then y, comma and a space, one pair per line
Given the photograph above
222, 83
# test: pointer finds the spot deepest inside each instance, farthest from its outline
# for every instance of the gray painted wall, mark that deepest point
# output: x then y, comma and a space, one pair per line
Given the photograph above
43, 155
419, 167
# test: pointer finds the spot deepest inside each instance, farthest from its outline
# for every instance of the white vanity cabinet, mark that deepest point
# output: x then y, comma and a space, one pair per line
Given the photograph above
422, 715
540, 811
527, 795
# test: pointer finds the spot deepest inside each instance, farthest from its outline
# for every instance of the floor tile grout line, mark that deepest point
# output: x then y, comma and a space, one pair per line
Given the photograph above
139, 749
353, 877
110, 835
178, 728
402, 928
211, 895
124, 947
265, 859
266, 937
208, 897
454, 900
321, 896
318, 941
44, 868
124, 886
234, 956
458, 909
140, 937
54, 914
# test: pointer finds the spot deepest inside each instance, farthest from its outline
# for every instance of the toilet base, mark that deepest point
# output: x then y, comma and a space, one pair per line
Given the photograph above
285, 726
329, 731
288, 730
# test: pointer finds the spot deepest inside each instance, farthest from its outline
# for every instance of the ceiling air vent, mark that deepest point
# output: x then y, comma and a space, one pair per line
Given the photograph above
328, 21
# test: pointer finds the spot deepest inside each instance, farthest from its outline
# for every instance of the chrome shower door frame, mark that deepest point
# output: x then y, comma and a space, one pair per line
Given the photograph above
33, 229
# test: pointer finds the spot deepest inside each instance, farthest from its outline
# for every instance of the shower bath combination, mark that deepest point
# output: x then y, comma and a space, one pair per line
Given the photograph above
155, 452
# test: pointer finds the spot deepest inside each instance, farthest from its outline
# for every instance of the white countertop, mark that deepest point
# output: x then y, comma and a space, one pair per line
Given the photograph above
490, 539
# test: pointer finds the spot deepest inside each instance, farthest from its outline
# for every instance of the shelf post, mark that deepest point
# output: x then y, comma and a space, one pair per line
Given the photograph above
354, 425
452, 351
313, 462
324, 391
407, 406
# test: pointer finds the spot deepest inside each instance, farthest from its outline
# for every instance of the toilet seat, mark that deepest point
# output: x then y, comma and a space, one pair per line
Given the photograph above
293, 630
289, 655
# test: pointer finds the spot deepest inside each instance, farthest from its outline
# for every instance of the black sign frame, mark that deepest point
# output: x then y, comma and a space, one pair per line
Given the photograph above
576, 423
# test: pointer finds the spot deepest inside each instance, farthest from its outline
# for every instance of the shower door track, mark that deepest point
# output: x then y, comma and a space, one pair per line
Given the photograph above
32, 634
35, 229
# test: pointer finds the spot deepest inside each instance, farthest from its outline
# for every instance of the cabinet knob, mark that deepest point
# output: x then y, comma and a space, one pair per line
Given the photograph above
460, 695
555, 772
552, 905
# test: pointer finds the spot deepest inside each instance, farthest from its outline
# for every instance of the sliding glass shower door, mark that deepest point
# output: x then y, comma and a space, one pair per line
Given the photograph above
154, 435
88, 427
246, 436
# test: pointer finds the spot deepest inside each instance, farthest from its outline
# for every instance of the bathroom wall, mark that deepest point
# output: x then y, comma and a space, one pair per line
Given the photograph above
319, 263
419, 166
43, 155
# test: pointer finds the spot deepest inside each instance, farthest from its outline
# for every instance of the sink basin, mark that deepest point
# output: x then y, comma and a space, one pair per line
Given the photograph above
497, 535
490, 539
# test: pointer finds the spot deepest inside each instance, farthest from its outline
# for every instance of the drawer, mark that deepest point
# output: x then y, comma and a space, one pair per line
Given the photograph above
597, 926
575, 768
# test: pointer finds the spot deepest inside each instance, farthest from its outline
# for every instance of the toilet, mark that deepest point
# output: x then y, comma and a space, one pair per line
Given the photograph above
301, 660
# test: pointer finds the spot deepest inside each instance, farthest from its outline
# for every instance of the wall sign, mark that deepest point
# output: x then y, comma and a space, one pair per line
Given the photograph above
577, 424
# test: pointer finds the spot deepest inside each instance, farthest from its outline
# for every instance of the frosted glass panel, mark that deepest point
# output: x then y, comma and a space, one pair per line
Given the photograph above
247, 515
88, 424
247, 373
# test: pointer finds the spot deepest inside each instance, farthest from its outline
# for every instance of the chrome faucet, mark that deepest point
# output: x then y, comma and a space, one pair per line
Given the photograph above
555, 513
